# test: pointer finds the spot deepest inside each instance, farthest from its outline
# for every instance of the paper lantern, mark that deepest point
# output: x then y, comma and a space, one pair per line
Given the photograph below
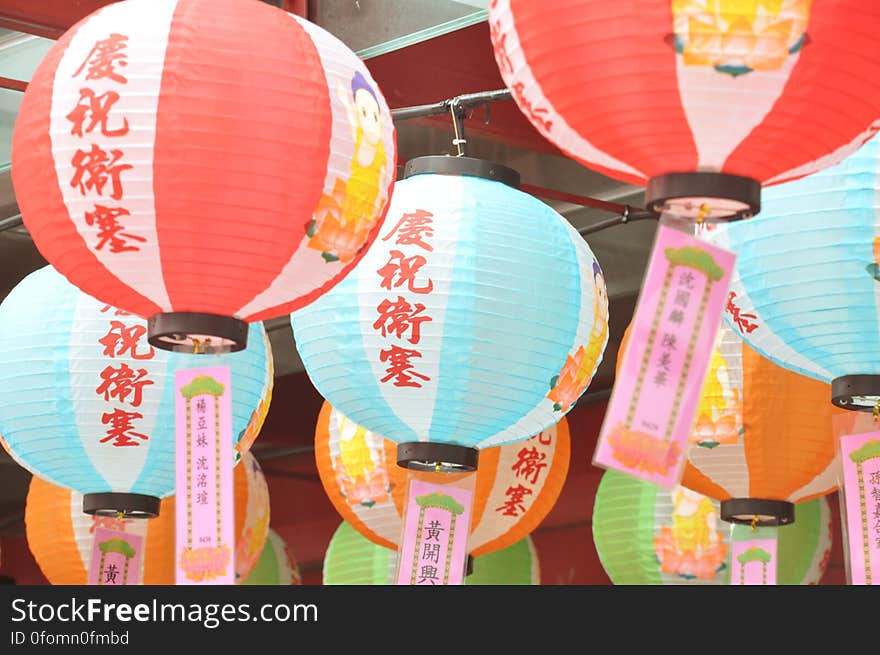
762, 440
517, 484
700, 102
86, 403
352, 559
477, 319
252, 514
202, 163
649, 535
276, 565
804, 291
59, 534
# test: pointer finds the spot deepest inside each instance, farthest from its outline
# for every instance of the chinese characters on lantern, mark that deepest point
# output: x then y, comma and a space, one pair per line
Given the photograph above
744, 322
528, 468
98, 163
122, 384
655, 398
399, 317
204, 508
860, 455
499, 40
433, 550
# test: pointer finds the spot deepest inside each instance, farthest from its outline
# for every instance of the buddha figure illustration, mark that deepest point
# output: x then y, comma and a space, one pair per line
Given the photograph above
578, 371
343, 219
736, 37
360, 467
720, 409
692, 546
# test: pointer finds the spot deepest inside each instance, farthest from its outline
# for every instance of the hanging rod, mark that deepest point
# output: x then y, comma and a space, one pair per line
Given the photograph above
458, 104
464, 101
628, 215
11, 223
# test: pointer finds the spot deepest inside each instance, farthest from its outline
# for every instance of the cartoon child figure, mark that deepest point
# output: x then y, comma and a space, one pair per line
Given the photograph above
344, 218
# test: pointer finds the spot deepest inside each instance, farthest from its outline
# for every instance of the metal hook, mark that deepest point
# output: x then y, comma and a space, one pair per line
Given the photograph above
457, 112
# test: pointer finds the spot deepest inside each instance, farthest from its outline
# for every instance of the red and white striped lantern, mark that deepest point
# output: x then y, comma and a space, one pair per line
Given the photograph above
202, 163
701, 102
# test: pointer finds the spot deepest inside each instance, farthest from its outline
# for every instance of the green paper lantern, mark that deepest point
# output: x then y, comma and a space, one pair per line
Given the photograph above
649, 535
352, 559
276, 565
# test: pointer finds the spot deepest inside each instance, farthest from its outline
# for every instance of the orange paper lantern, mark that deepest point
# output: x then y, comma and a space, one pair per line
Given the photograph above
762, 439
517, 484
60, 534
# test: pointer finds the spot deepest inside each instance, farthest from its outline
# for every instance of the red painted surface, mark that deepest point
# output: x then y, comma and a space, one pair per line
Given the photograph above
306, 519
450, 65
50, 18
46, 18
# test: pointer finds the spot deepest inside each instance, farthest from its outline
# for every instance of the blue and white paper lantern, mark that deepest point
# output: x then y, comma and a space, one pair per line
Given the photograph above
806, 289
477, 318
86, 403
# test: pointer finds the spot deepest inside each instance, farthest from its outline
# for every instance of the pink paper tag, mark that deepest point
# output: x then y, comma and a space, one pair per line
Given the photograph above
860, 455
753, 560
204, 509
436, 527
657, 389
116, 558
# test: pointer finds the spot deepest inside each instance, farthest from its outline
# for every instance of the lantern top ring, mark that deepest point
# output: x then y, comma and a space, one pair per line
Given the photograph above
448, 165
858, 393
757, 511
126, 505
711, 196
437, 457
196, 333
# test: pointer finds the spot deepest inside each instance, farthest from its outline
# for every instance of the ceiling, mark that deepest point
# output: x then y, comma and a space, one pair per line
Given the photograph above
419, 52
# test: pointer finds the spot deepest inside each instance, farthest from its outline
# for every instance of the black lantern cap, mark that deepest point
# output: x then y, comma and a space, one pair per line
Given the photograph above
127, 505
438, 457
731, 197
196, 333
757, 511
859, 393
449, 165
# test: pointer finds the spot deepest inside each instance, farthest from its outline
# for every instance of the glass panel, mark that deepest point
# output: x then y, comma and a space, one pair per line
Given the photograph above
374, 27
20, 54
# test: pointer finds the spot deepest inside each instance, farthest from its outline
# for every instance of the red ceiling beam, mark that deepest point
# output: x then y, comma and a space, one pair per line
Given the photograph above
46, 18
51, 18
298, 7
